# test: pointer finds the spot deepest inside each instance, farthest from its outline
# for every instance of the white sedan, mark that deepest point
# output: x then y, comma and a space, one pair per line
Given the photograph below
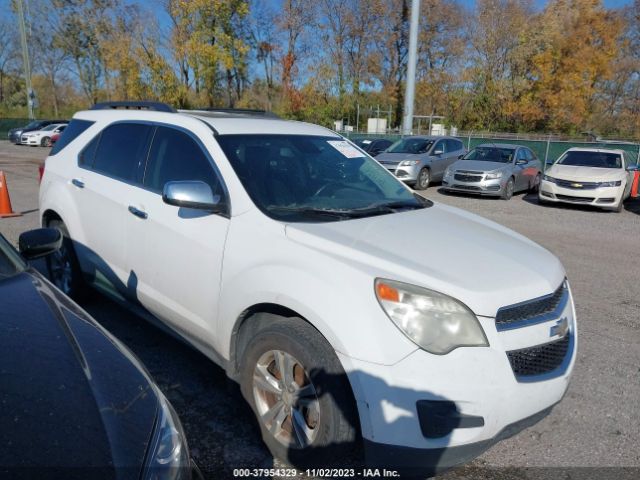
42, 137
589, 176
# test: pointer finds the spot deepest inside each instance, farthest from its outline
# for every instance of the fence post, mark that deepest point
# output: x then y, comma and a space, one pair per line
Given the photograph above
469, 143
546, 154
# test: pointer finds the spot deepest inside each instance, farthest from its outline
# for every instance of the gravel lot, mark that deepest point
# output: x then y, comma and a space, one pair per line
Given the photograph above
597, 424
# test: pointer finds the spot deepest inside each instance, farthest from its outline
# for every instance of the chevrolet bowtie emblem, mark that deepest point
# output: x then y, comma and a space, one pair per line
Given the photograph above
576, 185
561, 328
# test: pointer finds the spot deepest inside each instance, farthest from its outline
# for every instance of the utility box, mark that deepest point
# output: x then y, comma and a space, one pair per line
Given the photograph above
438, 129
377, 125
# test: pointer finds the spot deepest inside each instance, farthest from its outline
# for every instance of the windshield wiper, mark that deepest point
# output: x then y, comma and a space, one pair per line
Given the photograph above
346, 213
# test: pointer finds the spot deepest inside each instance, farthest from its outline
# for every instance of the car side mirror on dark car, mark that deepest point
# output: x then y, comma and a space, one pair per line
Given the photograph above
39, 242
192, 194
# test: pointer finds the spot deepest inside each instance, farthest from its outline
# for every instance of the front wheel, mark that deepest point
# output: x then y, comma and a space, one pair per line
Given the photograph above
423, 180
507, 193
299, 393
45, 142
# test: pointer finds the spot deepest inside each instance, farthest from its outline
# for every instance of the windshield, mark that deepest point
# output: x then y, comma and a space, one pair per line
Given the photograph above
490, 154
591, 159
10, 262
312, 178
411, 145
33, 124
49, 127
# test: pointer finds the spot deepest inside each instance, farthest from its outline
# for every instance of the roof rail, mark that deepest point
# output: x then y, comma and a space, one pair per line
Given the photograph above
134, 105
236, 111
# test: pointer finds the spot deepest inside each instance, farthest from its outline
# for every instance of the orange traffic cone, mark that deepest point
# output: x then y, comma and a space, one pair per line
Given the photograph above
634, 185
5, 201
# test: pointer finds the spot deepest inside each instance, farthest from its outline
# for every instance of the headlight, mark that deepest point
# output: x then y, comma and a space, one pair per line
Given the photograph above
435, 322
493, 176
448, 172
168, 457
407, 163
610, 184
548, 178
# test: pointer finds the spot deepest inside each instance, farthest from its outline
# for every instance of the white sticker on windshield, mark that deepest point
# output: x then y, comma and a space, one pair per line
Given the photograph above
345, 148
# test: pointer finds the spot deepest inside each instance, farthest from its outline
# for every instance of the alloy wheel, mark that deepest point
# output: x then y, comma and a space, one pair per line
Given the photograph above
286, 400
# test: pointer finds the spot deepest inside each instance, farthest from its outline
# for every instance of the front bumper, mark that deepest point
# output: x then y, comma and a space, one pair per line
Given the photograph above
483, 187
29, 140
480, 382
408, 174
14, 138
598, 197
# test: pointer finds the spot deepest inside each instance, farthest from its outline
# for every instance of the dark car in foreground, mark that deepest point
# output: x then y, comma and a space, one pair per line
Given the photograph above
15, 134
75, 402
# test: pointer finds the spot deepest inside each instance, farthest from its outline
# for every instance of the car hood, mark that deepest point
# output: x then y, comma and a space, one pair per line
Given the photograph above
442, 248
590, 174
396, 157
71, 395
478, 165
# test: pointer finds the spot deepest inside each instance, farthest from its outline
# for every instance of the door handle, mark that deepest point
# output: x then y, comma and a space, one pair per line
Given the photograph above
138, 213
78, 183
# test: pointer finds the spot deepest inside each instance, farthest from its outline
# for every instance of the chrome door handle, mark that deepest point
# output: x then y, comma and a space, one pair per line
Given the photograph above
78, 183
138, 213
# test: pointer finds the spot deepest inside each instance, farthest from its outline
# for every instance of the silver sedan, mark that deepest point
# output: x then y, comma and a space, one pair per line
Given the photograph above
495, 169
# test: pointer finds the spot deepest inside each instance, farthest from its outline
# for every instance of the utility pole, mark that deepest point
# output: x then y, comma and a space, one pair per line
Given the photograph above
407, 121
25, 57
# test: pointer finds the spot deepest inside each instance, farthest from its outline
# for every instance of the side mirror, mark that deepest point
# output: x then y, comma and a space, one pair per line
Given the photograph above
461, 156
521, 162
633, 168
438, 152
39, 242
192, 194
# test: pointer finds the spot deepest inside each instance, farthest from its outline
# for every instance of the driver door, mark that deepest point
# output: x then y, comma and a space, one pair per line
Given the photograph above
175, 254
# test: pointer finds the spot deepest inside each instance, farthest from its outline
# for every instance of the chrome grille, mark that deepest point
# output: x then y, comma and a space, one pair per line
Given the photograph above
533, 311
467, 178
575, 185
571, 198
539, 360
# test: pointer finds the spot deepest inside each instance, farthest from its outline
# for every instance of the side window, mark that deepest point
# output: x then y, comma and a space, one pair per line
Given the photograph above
122, 149
88, 153
453, 145
529, 154
176, 156
521, 154
75, 128
439, 146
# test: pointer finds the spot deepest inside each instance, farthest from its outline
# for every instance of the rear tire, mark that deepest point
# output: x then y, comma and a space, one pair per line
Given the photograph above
423, 180
536, 184
63, 266
303, 402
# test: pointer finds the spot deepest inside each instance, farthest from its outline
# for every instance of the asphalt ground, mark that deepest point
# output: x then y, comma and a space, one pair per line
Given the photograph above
593, 433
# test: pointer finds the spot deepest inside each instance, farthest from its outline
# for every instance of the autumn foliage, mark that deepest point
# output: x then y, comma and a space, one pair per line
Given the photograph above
511, 65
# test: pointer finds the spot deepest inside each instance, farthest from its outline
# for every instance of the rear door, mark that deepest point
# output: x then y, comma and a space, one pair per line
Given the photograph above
109, 168
175, 254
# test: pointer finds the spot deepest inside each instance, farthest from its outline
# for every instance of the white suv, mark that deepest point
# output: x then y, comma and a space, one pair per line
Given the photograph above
350, 310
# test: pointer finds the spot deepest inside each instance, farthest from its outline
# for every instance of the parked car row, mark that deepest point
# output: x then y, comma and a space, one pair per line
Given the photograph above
342, 330
20, 135
586, 176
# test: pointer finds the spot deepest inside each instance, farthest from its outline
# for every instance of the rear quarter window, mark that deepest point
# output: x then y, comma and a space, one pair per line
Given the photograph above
122, 150
75, 128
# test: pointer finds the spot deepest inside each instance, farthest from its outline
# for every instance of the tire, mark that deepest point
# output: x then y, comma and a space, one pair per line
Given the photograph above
536, 184
423, 180
63, 267
326, 420
507, 193
45, 142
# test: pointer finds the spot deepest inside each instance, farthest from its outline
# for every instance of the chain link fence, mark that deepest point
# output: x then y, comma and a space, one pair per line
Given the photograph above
7, 124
